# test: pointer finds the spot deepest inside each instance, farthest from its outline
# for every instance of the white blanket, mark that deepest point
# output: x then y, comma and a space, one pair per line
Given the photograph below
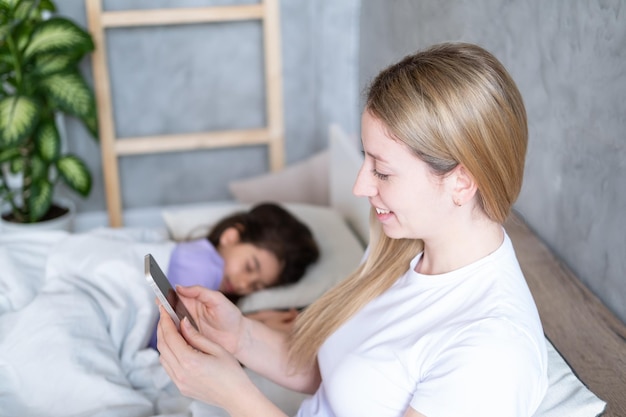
75, 317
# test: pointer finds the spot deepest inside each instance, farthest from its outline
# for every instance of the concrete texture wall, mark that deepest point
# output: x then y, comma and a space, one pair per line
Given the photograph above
179, 79
569, 60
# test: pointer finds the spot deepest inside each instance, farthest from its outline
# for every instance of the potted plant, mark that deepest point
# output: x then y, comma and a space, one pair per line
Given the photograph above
39, 82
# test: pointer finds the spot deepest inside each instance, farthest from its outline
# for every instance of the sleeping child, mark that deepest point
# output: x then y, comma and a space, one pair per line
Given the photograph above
246, 252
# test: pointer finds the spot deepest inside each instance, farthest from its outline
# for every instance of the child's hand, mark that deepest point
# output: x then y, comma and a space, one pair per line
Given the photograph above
276, 319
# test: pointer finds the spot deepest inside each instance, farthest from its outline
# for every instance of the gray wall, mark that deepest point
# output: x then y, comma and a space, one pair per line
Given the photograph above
569, 60
203, 77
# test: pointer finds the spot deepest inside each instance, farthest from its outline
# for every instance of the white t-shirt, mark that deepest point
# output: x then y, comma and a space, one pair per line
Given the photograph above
464, 343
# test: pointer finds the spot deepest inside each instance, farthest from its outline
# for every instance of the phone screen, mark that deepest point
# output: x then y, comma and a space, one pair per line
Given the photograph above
165, 292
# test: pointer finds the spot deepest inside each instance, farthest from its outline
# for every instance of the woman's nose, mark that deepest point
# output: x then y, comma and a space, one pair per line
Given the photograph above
363, 185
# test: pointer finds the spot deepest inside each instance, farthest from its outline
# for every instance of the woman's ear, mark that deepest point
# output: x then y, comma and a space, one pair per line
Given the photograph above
464, 186
229, 236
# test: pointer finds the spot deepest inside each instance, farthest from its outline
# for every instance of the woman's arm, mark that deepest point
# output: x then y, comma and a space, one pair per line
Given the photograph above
205, 371
258, 347
264, 350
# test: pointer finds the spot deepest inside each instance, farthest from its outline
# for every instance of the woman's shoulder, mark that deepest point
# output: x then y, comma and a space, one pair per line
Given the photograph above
492, 360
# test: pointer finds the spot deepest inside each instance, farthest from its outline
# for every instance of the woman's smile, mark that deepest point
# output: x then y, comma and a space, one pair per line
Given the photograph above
382, 215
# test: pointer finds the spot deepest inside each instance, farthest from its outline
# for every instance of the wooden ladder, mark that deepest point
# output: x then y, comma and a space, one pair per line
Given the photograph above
112, 147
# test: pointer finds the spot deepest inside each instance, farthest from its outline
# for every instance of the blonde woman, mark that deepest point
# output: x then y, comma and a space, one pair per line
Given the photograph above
437, 320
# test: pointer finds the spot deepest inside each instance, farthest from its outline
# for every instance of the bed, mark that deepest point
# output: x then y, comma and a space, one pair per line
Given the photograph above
76, 312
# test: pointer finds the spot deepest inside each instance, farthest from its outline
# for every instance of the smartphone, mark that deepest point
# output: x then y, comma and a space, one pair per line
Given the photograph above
166, 293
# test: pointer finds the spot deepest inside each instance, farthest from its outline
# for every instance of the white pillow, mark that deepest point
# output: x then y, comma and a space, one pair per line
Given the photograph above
340, 250
302, 182
566, 395
345, 163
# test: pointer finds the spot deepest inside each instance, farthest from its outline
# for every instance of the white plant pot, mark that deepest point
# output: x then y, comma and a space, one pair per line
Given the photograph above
65, 222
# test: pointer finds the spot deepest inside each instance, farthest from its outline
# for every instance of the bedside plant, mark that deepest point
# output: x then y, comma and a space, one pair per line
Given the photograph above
40, 80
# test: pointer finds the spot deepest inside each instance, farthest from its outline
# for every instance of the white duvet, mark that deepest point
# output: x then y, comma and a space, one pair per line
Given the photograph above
75, 317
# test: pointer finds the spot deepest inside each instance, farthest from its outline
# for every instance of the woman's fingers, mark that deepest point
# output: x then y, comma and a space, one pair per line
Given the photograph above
199, 292
166, 332
188, 340
196, 340
194, 363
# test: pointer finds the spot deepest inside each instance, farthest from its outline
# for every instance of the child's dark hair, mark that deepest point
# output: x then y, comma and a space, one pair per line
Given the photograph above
269, 226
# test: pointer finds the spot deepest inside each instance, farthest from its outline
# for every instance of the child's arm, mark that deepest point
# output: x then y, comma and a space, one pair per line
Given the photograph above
279, 319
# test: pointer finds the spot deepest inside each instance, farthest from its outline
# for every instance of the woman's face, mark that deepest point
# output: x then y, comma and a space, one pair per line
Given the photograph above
247, 268
410, 201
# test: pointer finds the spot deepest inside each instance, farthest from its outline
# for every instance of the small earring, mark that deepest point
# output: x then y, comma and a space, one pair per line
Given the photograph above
457, 203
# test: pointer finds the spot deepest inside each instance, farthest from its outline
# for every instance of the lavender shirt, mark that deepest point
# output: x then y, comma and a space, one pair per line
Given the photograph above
194, 263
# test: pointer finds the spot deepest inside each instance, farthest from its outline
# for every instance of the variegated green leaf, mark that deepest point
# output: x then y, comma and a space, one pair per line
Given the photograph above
8, 4
58, 34
5, 57
75, 174
50, 63
18, 118
21, 37
17, 165
47, 5
25, 9
5, 63
48, 141
39, 200
91, 123
70, 93
5, 29
38, 168
9, 154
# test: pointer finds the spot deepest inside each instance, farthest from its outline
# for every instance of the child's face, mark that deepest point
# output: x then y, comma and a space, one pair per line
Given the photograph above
247, 268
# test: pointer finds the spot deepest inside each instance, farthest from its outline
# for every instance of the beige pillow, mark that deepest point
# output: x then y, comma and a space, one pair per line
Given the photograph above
345, 162
303, 182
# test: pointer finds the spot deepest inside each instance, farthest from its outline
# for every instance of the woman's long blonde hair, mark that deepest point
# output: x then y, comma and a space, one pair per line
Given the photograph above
451, 104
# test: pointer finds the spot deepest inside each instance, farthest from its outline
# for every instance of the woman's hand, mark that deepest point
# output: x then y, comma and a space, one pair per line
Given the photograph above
203, 370
217, 318
276, 319
223, 329
200, 368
